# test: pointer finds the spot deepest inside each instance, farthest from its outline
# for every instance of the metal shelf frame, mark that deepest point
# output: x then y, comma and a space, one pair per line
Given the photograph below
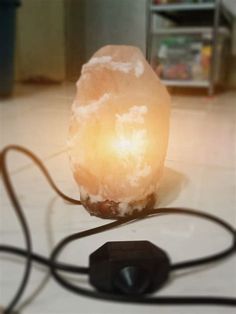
217, 10
182, 7
187, 83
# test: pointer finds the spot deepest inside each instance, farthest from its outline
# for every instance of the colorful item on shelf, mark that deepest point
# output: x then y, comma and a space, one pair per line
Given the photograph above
183, 57
206, 59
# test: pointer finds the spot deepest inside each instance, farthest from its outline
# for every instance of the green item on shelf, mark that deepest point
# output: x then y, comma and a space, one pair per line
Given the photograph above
176, 41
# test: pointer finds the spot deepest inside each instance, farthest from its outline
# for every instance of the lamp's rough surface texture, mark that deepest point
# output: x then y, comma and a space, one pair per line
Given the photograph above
118, 132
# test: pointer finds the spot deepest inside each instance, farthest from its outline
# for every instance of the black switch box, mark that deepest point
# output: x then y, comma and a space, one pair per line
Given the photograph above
129, 267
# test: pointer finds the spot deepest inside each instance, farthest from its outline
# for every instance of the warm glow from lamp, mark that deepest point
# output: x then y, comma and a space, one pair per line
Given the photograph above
126, 146
118, 132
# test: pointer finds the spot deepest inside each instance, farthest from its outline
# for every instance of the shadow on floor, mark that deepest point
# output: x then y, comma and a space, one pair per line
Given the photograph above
171, 185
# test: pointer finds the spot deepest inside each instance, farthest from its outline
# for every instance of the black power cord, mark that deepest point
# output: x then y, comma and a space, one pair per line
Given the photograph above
56, 266
20, 215
177, 300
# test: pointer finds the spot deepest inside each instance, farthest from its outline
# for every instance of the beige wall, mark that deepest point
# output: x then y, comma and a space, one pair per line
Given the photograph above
91, 24
40, 45
55, 37
75, 32
231, 79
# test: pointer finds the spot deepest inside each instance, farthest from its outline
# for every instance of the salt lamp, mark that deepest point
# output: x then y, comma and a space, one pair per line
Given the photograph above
118, 132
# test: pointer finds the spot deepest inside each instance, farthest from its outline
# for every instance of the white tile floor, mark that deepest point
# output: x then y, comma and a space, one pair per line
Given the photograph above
200, 172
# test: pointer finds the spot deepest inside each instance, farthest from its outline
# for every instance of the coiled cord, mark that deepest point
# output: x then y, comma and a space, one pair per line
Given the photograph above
56, 266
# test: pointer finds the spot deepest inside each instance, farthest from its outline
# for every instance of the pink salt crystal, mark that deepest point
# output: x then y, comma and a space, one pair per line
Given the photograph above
118, 132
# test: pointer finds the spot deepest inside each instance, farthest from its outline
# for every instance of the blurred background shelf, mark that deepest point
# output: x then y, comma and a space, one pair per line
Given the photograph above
187, 30
187, 42
182, 7
189, 83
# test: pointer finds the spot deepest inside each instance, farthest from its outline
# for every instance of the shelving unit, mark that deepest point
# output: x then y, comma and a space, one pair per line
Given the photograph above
182, 7
190, 18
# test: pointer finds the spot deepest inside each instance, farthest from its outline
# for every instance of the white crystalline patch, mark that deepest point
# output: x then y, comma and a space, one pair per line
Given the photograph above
139, 136
135, 142
124, 208
96, 198
132, 145
135, 114
139, 173
126, 67
93, 198
83, 112
139, 68
99, 60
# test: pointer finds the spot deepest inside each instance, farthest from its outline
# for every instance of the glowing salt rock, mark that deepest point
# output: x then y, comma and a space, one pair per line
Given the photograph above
118, 132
